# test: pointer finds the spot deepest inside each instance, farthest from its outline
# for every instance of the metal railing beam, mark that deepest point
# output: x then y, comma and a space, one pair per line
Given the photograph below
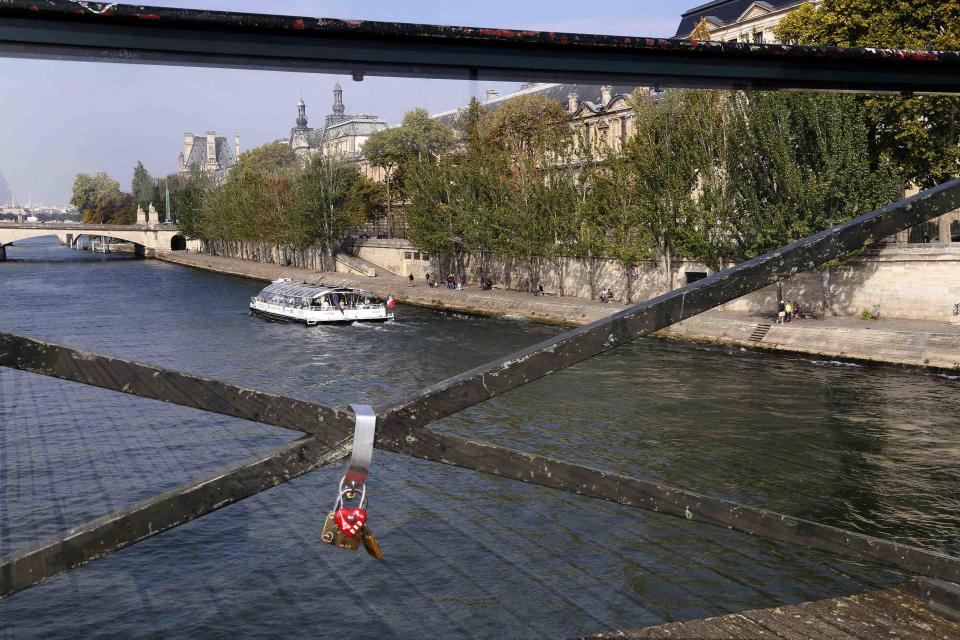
330, 424
59, 29
103, 536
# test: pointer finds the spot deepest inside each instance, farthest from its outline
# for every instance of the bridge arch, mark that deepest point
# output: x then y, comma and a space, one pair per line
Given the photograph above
27, 234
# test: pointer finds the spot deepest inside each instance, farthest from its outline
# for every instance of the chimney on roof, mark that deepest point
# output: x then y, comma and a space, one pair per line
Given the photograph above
605, 93
573, 101
187, 146
211, 148
491, 94
236, 143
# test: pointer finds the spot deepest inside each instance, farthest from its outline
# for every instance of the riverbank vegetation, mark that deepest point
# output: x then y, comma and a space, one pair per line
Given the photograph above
712, 176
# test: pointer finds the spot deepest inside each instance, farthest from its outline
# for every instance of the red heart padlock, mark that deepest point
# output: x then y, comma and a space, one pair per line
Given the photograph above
350, 521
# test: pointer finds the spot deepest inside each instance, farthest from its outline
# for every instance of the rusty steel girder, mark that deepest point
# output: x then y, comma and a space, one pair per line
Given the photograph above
113, 32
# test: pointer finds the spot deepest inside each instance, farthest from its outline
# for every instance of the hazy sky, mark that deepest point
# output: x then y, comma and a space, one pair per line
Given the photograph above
61, 118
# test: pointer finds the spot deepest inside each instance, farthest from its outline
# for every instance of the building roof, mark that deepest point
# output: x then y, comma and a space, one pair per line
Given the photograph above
198, 153
724, 12
559, 92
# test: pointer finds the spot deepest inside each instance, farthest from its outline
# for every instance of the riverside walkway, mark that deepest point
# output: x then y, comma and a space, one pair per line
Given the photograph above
891, 613
896, 341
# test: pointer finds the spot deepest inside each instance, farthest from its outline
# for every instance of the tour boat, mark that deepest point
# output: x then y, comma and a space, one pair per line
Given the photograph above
287, 301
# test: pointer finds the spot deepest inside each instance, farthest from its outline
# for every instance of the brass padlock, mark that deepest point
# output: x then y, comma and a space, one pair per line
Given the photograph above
370, 543
332, 535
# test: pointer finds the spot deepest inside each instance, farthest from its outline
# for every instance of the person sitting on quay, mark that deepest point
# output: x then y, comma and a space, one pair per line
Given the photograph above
539, 290
427, 278
486, 283
606, 295
451, 281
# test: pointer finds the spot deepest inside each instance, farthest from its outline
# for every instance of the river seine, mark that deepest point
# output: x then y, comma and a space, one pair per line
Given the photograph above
873, 449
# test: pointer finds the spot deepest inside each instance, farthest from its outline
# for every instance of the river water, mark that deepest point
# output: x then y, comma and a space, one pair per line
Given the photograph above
466, 556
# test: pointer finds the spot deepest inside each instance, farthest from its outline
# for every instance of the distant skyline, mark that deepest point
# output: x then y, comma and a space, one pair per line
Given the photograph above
61, 118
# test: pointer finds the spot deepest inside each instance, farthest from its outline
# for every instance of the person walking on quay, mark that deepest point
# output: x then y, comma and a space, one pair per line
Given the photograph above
410, 280
781, 312
789, 310
427, 278
451, 281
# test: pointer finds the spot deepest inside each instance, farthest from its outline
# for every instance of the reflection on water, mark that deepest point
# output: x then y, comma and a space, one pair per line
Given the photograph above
872, 449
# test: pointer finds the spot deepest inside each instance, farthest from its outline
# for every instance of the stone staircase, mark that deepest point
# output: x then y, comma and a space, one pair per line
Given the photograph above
759, 332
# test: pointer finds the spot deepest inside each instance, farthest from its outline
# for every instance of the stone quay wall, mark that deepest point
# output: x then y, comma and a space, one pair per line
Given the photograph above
285, 255
920, 282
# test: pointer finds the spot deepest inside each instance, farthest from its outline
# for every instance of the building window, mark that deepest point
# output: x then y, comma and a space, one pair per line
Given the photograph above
744, 37
955, 231
416, 255
732, 41
426, 257
693, 276
758, 37
623, 130
407, 255
925, 233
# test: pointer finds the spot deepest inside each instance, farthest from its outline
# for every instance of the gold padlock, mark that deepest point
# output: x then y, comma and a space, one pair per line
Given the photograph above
332, 535
370, 543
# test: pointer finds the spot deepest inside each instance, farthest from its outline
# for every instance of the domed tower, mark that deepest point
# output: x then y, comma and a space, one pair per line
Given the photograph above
301, 114
300, 134
338, 109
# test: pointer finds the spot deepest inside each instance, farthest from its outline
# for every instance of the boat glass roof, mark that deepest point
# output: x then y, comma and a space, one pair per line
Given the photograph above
305, 290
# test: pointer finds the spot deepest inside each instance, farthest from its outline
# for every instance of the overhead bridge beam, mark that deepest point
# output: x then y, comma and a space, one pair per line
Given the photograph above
108, 32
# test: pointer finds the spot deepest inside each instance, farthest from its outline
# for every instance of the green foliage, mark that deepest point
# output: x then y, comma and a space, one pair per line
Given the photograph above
267, 159
142, 186
186, 197
707, 175
919, 135
116, 208
269, 197
90, 192
319, 213
367, 200
800, 163
418, 139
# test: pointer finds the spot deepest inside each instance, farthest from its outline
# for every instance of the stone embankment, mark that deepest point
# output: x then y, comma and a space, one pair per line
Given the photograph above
907, 342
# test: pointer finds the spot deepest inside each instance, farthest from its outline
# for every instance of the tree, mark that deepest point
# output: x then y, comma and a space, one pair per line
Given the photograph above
799, 163
663, 176
187, 201
367, 200
116, 208
320, 215
384, 149
89, 192
920, 135
267, 159
142, 187
419, 138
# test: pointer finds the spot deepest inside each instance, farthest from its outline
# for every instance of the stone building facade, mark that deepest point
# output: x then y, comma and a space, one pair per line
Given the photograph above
751, 21
341, 136
601, 113
210, 153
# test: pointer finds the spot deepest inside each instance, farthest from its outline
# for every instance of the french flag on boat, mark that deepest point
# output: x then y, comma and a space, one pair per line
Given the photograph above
391, 302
